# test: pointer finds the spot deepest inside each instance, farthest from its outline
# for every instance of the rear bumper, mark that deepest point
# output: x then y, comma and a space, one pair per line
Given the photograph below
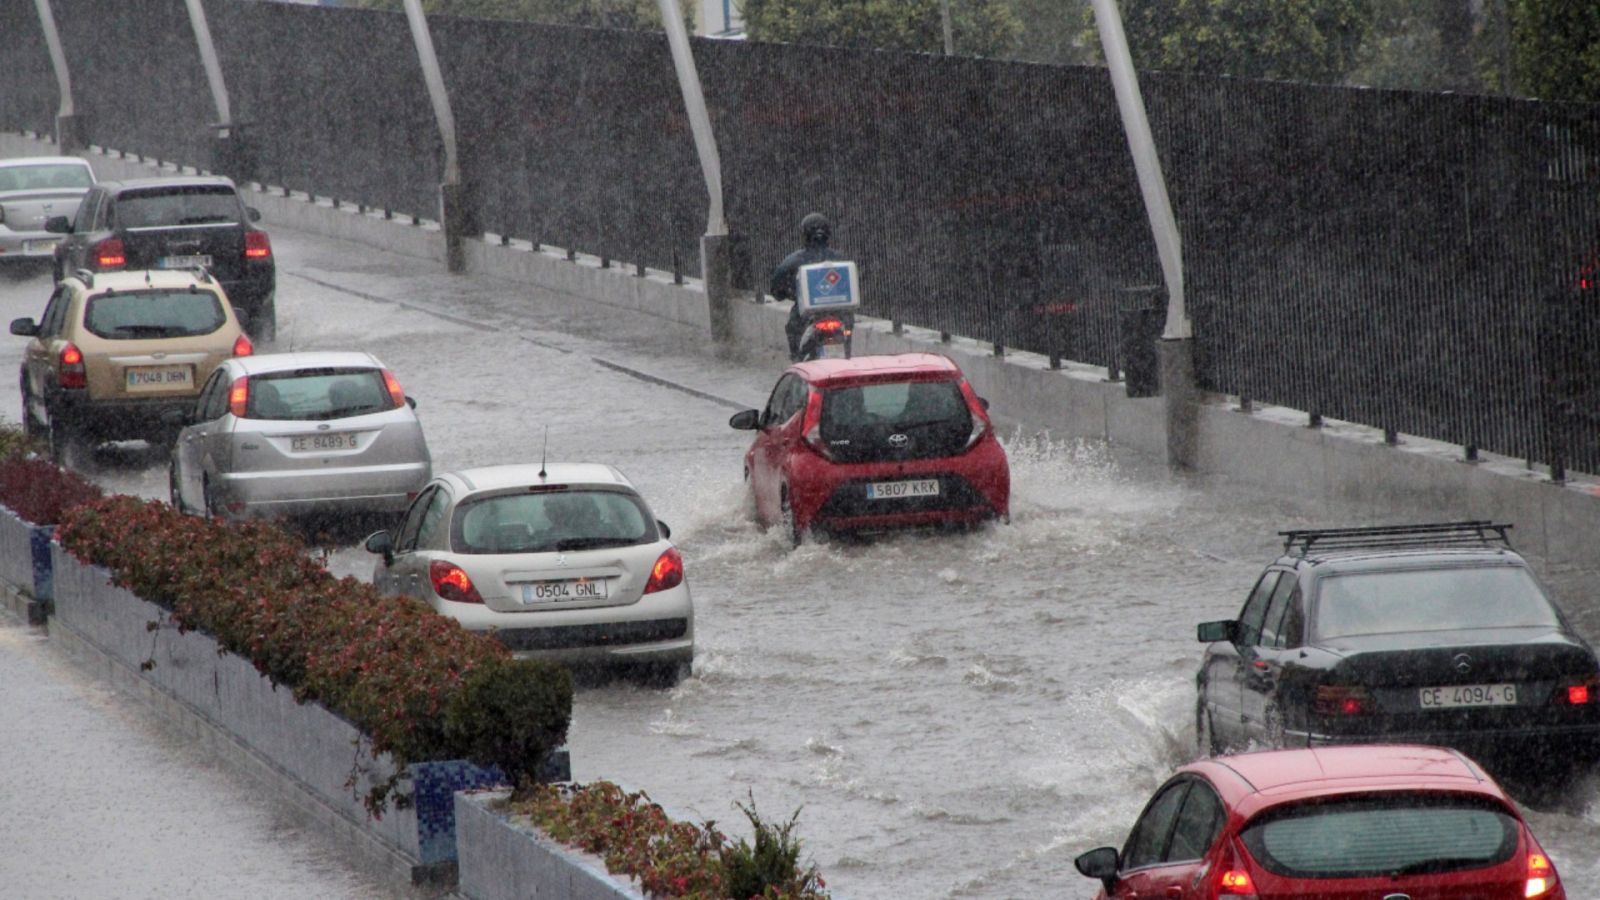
973, 487
658, 628
117, 419
27, 244
388, 488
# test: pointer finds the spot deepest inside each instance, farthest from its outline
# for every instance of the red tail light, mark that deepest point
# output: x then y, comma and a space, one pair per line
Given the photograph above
238, 396
242, 346
811, 425
666, 573
397, 396
256, 245
110, 254
1577, 692
1542, 878
1339, 700
1235, 883
980, 417
828, 325
72, 373
451, 583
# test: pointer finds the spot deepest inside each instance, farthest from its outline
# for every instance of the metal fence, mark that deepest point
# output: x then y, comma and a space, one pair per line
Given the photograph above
1400, 259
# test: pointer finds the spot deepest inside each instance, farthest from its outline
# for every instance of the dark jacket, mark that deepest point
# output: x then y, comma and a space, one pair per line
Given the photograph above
785, 278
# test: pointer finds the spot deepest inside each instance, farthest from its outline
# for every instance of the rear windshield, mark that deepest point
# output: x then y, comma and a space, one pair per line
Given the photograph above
138, 315
900, 406
166, 207
1396, 834
317, 394
44, 177
1430, 600
549, 521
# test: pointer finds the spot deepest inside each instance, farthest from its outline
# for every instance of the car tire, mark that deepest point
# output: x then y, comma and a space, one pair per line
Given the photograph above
173, 494
662, 674
1205, 738
264, 324
63, 440
786, 523
30, 426
208, 495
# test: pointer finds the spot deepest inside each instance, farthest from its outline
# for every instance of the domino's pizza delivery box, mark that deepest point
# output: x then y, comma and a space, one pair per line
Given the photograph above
826, 286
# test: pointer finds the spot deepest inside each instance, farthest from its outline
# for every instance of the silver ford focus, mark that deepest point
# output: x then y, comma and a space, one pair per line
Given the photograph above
288, 434
564, 562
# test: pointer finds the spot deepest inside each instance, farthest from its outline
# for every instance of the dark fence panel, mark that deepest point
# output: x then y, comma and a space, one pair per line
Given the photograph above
29, 99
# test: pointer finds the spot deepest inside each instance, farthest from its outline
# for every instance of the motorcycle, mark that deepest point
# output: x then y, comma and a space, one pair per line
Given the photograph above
827, 336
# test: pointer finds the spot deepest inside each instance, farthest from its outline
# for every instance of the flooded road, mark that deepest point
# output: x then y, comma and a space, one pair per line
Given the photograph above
954, 715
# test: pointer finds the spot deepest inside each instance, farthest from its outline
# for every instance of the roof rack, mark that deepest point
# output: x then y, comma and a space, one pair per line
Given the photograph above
1476, 533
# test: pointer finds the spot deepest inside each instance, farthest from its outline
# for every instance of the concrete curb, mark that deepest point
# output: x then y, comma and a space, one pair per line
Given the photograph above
502, 859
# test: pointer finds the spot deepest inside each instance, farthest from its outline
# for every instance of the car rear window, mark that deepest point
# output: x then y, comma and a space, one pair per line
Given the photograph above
1430, 600
44, 177
317, 394
166, 207
140, 315
551, 520
1395, 834
933, 414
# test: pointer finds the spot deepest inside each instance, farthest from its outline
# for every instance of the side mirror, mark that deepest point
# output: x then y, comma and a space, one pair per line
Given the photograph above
411, 401
747, 420
24, 327
253, 213
665, 531
1100, 863
1212, 632
58, 225
381, 542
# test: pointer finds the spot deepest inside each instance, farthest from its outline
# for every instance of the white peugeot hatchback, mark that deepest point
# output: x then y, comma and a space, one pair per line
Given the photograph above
563, 562
290, 434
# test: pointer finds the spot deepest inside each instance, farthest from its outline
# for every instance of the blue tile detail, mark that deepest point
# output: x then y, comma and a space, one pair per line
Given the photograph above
434, 785
43, 574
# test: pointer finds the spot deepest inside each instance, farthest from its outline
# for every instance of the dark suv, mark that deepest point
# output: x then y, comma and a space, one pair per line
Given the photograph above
1427, 634
175, 223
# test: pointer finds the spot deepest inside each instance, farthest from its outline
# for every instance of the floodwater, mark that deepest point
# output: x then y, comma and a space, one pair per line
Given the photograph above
953, 715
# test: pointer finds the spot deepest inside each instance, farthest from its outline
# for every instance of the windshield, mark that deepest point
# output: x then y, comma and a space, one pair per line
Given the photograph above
44, 177
136, 315
1430, 600
316, 394
180, 206
1395, 834
550, 521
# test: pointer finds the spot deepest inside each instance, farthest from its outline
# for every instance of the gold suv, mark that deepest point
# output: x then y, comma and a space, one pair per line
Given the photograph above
117, 352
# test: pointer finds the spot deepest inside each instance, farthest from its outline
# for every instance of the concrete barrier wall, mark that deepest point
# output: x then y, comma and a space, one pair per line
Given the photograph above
1271, 448
502, 859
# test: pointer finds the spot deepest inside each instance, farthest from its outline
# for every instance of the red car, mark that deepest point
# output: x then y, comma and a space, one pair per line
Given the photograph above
1332, 823
874, 442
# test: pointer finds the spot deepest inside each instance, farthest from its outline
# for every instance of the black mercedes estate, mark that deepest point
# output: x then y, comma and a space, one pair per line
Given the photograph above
1432, 634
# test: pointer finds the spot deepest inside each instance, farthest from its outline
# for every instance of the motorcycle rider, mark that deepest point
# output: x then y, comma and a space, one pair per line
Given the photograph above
814, 231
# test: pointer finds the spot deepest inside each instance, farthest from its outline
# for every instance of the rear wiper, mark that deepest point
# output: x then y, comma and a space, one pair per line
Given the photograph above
203, 220
157, 330
591, 543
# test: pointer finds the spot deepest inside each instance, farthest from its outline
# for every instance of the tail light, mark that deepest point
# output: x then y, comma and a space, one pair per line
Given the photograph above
110, 254
1542, 878
238, 396
1340, 700
1580, 691
828, 326
811, 425
980, 418
1235, 884
397, 396
242, 346
72, 373
256, 245
667, 573
451, 583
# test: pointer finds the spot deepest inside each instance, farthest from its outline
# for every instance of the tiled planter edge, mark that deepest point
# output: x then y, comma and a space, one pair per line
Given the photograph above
25, 565
504, 859
239, 712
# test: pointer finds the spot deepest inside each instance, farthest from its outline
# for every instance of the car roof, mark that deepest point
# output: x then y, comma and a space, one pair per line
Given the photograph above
512, 475
1335, 561
145, 279
1252, 782
306, 359
44, 161
116, 187
826, 371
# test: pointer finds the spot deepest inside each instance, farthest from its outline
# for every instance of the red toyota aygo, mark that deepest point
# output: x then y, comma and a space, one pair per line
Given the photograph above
874, 442
1332, 823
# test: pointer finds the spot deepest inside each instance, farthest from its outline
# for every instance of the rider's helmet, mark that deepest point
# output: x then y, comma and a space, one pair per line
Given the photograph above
816, 230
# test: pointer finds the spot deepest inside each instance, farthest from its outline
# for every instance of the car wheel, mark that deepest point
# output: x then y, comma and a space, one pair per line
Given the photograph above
1204, 737
174, 495
661, 675
786, 520
265, 322
63, 440
208, 495
30, 425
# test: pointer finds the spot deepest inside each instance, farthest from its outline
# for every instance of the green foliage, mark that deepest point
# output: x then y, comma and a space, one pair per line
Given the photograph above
978, 27
1289, 40
1555, 49
634, 14
771, 867
14, 441
403, 674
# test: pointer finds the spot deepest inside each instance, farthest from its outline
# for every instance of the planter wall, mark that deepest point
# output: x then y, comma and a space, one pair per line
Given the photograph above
25, 561
306, 742
503, 859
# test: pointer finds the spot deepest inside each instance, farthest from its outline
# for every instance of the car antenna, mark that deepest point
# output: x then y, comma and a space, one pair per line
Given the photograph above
544, 452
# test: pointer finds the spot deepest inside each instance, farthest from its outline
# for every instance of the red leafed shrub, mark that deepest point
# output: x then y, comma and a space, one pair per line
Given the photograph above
415, 682
39, 491
672, 859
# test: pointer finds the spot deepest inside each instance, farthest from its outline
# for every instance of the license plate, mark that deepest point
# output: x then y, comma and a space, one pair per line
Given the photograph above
1469, 695
345, 440
159, 378
183, 262
39, 246
553, 591
891, 490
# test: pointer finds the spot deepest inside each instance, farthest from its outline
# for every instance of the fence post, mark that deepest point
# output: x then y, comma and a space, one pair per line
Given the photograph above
71, 128
457, 218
